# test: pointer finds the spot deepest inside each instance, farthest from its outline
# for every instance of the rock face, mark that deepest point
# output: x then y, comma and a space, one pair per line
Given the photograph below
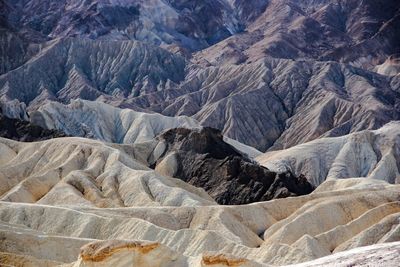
313, 84
201, 158
390, 67
64, 171
326, 30
274, 97
100, 121
118, 253
283, 102
319, 30
369, 154
78, 68
61, 194
106, 123
270, 66
24, 131
176, 23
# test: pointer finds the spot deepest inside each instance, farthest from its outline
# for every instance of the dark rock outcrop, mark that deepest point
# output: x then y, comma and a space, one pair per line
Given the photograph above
25, 131
205, 160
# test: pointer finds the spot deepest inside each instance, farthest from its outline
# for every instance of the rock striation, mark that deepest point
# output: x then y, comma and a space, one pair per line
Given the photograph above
368, 154
104, 122
234, 31
24, 131
173, 96
174, 23
78, 68
201, 158
332, 99
81, 191
362, 34
271, 66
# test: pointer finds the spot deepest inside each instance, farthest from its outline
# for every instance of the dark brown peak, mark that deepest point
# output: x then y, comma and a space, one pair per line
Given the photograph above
206, 140
206, 161
20, 130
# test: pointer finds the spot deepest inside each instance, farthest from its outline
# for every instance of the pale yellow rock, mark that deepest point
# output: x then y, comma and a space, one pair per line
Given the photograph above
61, 194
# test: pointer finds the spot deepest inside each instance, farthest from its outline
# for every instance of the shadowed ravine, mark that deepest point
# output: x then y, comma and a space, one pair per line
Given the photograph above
203, 159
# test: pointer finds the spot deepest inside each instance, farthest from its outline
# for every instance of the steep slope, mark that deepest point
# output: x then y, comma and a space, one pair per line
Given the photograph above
369, 154
269, 66
80, 191
329, 30
316, 83
89, 173
104, 122
74, 68
283, 102
362, 33
201, 158
390, 67
14, 50
220, 165
185, 24
24, 131
275, 98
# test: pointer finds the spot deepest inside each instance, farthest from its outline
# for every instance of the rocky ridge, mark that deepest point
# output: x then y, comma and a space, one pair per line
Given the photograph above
314, 84
198, 156
20, 130
333, 99
105, 191
201, 158
369, 154
250, 67
104, 122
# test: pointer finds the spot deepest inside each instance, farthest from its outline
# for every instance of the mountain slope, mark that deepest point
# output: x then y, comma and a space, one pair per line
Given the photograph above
174, 95
24, 131
271, 66
330, 30
283, 102
369, 154
362, 33
175, 23
104, 122
72, 68
331, 98
80, 191
202, 158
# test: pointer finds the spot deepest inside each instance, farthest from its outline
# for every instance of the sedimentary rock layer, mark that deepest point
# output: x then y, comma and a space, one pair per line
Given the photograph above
24, 131
369, 154
201, 158
283, 102
80, 191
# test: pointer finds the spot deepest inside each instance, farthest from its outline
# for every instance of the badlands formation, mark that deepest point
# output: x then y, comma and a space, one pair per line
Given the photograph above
203, 133
68, 200
291, 71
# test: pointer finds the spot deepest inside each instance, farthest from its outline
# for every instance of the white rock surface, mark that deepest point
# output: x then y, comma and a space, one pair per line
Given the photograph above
107, 123
375, 255
60, 194
390, 67
369, 154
